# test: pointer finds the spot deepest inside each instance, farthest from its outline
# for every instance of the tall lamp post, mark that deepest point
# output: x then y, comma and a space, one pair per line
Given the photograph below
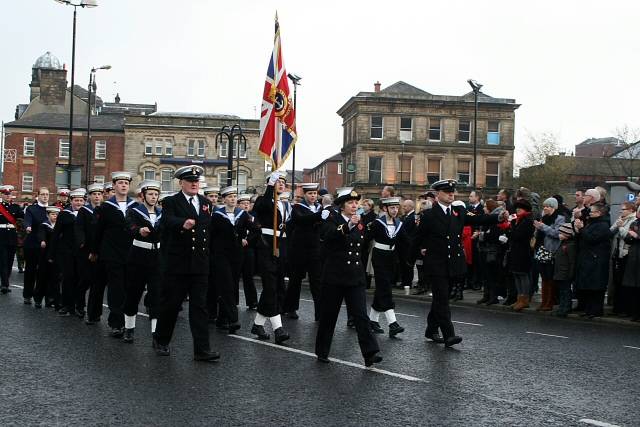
295, 79
92, 87
83, 4
475, 86
231, 133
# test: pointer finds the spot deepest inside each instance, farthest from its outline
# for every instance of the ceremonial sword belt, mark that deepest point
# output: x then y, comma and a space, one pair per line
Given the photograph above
7, 226
146, 245
269, 232
383, 247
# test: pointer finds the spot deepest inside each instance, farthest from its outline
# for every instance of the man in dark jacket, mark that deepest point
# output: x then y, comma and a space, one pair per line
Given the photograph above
9, 215
34, 216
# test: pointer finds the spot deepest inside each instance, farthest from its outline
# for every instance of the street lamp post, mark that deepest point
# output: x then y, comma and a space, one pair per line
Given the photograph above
475, 86
295, 79
83, 4
231, 133
92, 86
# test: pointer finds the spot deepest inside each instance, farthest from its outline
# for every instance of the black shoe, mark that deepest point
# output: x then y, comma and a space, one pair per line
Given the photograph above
91, 321
292, 315
451, 341
233, 327
252, 307
162, 350
27, 301
324, 359
394, 329
128, 335
280, 335
260, 332
375, 327
38, 305
351, 323
370, 360
492, 302
117, 332
206, 356
434, 336
63, 312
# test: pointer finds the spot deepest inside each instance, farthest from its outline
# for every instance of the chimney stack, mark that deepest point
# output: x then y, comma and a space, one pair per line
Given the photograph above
376, 87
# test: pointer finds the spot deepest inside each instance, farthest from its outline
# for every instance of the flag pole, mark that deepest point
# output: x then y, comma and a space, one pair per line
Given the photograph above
275, 221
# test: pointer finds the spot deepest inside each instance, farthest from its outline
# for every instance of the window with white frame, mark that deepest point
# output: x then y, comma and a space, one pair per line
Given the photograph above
433, 170
168, 147
464, 171
149, 174
100, 150
63, 148
340, 168
157, 146
375, 170
493, 132
223, 148
196, 147
98, 179
492, 175
464, 130
27, 182
241, 183
404, 172
376, 131
405, 128
148, 147
29, 149
434, 130
166, 179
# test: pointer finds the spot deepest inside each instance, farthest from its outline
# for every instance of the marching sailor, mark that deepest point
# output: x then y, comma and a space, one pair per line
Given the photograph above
34, 216
389, 245
142, 270
248, 254
9, 215
47, 283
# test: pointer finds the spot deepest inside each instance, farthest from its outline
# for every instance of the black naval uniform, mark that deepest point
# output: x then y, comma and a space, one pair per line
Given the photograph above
249, 262
184, 258
8, 242
88, 272
343, 278
227, 234
34, 216
112, 242
440, 234
142, 261
63, 251
410, 225
48, 281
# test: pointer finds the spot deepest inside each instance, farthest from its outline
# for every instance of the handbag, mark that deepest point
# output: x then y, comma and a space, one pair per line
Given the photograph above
543, 256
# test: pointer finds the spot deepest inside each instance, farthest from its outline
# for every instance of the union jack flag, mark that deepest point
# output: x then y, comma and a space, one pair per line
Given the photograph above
278, 118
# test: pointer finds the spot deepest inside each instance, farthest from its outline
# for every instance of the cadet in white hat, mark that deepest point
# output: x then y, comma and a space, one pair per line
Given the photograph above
88, 271
47, 288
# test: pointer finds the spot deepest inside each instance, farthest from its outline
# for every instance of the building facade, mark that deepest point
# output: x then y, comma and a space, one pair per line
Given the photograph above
159, 143
409, 138
328, 174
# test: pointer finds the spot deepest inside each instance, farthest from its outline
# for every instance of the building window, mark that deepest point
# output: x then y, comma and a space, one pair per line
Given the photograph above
149, 174
376, 127
63, 148
404, 171
242, 184
222, 150
62, 177
29, 146
101, 150
339, 168
158, 146
375, 170
464, 171
98, 179
493, 133
27, 182
492, 178
166, 179
196, 147
405, 128
433, 170
434, 129
148, 147
464, 130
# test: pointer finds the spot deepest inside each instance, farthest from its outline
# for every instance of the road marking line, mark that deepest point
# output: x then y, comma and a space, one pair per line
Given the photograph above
342, 362
408, 315
596, 423
547, 335
630, 346
466, 323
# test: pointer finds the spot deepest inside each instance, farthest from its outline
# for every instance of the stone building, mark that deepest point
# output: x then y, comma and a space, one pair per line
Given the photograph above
159, 143
328, 174
409, 138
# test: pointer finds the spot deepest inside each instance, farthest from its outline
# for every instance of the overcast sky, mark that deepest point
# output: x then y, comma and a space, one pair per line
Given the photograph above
573, 65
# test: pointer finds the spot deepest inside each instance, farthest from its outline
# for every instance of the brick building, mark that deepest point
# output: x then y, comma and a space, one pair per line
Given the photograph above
328, 174
599, 147
404, 136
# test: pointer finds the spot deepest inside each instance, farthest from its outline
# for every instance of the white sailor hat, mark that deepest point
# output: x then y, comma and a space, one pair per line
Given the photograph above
285, 195
78, 192
448, 185
120, 175
63, 191
213, 189
150, 184
390, 201
458, 203
309, 186
344, 194
228, 190
243, 197
108, 186
95, 187
51, 209
189, 173
6, 189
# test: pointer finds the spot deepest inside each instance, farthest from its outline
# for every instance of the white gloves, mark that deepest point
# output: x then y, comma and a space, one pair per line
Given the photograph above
503, 239
325, 214
274, 177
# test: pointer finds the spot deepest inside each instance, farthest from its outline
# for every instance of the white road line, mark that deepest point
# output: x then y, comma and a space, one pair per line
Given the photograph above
596, 423
547, 335
632, 347
408, 315
466, 323
342, 362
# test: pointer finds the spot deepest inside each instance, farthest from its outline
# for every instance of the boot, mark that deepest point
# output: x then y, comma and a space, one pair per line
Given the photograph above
128, 335
524, 303
517, 303
547, 296
394, 329
459, 292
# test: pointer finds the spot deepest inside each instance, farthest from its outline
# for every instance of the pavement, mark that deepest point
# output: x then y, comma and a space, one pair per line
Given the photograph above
511, 369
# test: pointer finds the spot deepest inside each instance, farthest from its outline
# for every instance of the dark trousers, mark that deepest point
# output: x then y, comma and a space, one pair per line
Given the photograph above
140, 277
116, 279
564, 296
32, 259
248, 270
272, 274
6, 263
439, 316
620, 293
176, 288
303, 263
20, 258
384, 271
212, 292
227, 284
67, 263
96, 290
407, 274
593, 302
48, 281
330, 302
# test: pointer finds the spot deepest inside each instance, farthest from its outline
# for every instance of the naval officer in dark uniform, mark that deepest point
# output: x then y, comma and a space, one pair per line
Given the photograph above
185, 229
439, 239
9, 215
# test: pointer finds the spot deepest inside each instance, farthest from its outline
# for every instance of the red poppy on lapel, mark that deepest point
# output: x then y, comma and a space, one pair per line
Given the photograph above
205, 208
455, 213
360, 227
